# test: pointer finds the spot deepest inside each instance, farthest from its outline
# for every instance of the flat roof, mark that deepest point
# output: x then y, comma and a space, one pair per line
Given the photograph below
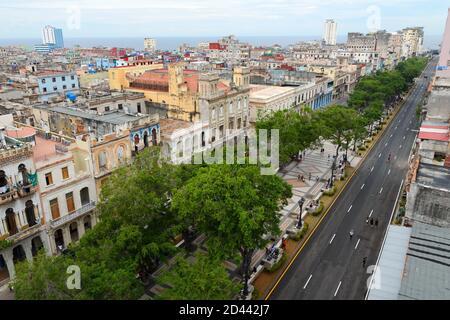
427, 270
388, 276
433, 176
264, 92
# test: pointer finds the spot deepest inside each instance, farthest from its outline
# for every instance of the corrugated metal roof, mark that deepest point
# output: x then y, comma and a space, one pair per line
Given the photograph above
388, 276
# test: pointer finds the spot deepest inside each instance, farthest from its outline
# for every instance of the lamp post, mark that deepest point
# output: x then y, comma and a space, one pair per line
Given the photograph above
300, 206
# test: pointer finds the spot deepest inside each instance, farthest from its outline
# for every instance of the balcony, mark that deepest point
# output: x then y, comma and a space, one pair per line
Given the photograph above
8, 196
26, 190
74, 215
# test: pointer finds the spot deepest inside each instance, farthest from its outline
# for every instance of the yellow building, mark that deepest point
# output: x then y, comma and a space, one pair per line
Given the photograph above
119, 77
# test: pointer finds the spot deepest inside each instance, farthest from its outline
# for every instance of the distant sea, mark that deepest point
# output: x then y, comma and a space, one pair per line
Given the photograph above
172, 43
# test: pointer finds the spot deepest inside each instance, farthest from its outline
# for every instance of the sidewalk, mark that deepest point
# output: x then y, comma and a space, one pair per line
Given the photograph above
319, 165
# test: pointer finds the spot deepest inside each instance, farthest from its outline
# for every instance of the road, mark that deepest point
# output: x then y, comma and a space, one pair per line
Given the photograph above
330, 266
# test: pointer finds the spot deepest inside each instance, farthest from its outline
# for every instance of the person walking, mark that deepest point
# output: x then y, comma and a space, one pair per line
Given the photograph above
371, 222
309, 177
351, 234
376, 222
364, 262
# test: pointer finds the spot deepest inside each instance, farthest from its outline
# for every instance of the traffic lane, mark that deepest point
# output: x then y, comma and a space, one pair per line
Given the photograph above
323, 238
351, 190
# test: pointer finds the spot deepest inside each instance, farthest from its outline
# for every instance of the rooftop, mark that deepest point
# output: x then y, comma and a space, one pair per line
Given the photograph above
264, 92
169, 126
434, 176
426, 274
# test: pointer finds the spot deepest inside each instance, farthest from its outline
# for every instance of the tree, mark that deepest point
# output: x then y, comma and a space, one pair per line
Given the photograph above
297, 132
336, 124
235, 206
204, 279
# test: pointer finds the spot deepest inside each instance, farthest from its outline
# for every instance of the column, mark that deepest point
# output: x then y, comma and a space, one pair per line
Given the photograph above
66, 236
7, 255
47, 240
26, 245
80, 227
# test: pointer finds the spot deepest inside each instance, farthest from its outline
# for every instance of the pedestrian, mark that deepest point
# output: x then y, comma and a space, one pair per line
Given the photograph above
309, 177
317, 178
371, 222
376, 223
364, 262
351, 234
299, 177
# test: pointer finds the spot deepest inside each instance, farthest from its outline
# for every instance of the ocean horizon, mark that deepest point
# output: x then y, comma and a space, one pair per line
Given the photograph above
172, 43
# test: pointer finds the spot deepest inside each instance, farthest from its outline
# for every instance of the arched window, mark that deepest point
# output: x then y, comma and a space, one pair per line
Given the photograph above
11, 221
230, 109
120, 154
84, 196
29, 213
102, 160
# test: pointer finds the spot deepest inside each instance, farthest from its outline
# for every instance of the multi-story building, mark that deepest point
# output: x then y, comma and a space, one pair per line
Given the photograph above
443, 68
359, 42
150, 44
330, 32
53, 83
22, 223
412, 41
53, 36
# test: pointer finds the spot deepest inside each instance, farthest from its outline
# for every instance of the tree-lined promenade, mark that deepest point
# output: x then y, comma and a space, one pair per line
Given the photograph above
147, 205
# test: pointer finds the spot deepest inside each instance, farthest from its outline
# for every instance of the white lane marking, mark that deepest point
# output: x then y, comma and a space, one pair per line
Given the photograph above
339, 285
349, 208
362, 187
404, 137
357, 244
390, 136
389, 171
306, 284
381, 190
372, 169
396, 128
332, 238
385, 144
400, 146
395, 158
379, 156
370, 213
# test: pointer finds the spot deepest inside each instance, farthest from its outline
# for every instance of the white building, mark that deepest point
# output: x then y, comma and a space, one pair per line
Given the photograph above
150, 44
330, 32
52, 36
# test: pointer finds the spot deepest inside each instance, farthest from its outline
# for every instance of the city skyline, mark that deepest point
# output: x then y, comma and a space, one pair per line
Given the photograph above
99, 18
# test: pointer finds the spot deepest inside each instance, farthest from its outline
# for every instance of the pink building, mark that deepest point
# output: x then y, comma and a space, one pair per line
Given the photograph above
443, 69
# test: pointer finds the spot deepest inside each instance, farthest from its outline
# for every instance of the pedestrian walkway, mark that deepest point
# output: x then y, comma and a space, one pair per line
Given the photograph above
314, 164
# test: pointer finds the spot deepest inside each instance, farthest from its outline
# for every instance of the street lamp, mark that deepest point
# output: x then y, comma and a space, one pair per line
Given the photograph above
300, 206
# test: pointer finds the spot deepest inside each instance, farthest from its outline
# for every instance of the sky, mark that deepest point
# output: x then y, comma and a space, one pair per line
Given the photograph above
197, 18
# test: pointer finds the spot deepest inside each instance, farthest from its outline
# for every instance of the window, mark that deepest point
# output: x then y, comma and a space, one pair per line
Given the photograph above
106, 108
139, 107
231, 107
54, 208
72, 77
221, 111
120, 106
64, 87
73, 85
44, 89
48, 178
43, 80
70, 202
65, 173
63, 78
53, 79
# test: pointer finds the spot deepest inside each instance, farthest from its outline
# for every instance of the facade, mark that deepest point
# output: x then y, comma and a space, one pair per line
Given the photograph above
412, 41
44, 48
53, 36
330, 32
443, 68
150, 44
54, 83
21, 216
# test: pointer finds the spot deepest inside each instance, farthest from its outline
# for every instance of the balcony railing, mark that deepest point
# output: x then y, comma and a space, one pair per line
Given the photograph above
7, 196
76, 214
26, 190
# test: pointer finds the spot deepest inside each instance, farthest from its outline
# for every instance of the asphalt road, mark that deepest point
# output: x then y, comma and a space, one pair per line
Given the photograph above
330, 266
